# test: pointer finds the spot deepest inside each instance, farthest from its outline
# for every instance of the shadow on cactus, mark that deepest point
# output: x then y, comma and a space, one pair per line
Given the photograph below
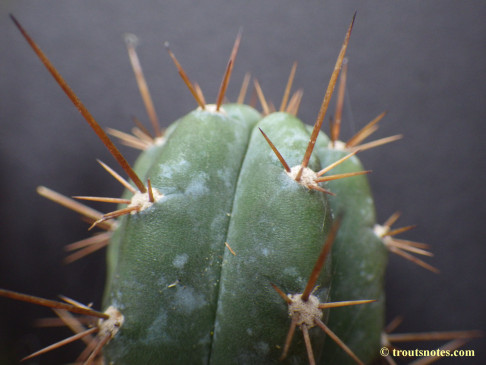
211, 248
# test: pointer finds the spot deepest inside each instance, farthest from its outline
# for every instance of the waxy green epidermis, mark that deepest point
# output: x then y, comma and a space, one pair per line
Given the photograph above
277, 230
359, 261
185, 296
164, 262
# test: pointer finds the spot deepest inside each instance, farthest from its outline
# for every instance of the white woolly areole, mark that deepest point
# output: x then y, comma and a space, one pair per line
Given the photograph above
159, 141
338, 145
142, 200
305, 312
212, 108
110, 326
379, 230
308, 177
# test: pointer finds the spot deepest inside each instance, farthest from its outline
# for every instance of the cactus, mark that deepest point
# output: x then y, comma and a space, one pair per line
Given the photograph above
210, 258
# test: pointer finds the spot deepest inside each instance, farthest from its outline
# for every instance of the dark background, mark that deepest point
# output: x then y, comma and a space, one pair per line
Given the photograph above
423, 61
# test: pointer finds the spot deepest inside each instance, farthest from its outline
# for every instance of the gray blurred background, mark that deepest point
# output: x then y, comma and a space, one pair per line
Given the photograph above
422, 61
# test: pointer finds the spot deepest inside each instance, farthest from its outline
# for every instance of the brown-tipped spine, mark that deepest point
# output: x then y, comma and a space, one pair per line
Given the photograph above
227, 74
327, 97
81, 108
326, 248
185, 78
